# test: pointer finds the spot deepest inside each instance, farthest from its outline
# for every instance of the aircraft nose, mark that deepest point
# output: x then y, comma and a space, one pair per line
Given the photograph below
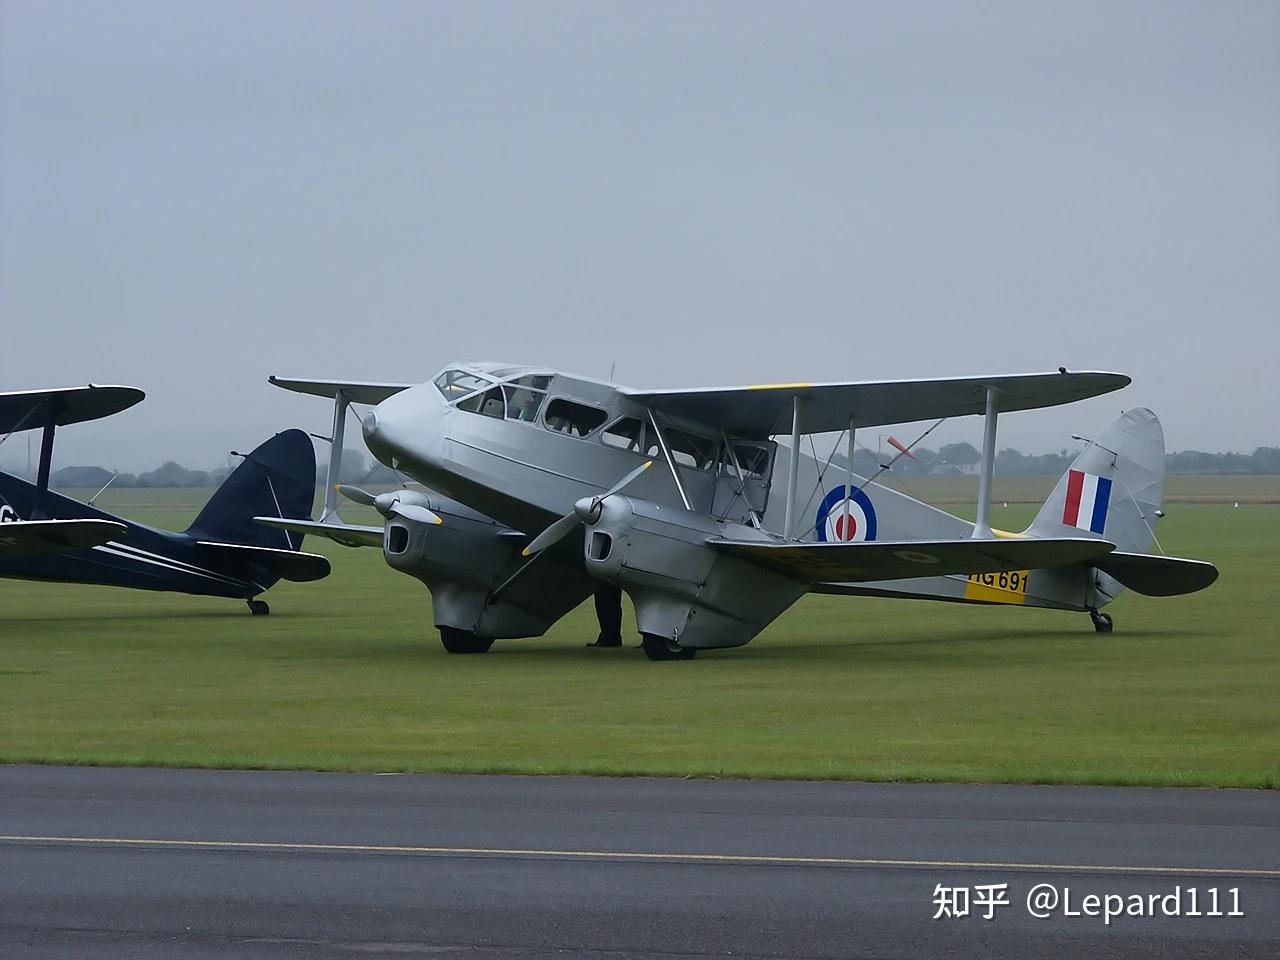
405, 428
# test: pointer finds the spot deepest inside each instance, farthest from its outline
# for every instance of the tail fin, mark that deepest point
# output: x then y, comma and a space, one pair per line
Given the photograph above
278, 479
1112, 491
1113, 488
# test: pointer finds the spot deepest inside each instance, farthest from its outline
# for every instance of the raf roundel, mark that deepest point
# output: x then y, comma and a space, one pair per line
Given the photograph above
845, 518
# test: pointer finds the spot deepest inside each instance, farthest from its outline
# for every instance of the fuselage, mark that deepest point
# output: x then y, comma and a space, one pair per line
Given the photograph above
523, 444
526, 469
144, 558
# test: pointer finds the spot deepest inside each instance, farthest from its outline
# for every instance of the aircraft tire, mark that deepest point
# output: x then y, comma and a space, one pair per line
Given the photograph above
1102, 622
660, 648
461, 641
258, 608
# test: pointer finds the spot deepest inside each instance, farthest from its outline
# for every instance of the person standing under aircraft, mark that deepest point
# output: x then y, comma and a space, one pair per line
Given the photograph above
608, 598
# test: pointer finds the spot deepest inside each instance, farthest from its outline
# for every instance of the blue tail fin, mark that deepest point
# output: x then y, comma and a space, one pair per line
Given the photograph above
277, 480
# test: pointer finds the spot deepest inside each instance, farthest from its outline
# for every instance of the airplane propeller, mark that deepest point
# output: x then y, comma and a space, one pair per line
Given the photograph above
357, 495
585, 510
389, 504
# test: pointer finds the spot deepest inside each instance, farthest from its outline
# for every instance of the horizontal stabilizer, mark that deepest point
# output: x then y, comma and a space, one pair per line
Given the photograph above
1154, 576
24, 538
766, 409
288, 564
890, 560
354, 391
347, 534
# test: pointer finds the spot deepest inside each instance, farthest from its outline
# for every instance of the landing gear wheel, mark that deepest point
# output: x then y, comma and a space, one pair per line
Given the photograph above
660, 648
258, 608
1102, 622
460, 641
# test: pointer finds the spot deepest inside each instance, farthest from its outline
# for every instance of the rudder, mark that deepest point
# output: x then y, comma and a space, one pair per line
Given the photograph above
1113, 489
278, 479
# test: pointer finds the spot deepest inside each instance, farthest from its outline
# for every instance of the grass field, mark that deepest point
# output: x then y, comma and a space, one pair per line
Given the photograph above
348, 674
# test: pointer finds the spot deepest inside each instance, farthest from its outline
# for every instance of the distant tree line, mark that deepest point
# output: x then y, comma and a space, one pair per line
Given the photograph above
955, 458
356, 468
950, 458
168, 474
1262, 460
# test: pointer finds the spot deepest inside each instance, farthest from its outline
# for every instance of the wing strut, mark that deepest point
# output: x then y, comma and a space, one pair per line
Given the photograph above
666, 452
330, 512
982, 528
46, 461
742, 481
44, 408
793, 466
848, 477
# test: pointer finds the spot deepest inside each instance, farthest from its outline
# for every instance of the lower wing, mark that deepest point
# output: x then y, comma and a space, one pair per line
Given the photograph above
30, 537
890, 560
347, 534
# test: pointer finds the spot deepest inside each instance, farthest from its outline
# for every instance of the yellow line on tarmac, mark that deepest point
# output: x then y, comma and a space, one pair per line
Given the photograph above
727, 858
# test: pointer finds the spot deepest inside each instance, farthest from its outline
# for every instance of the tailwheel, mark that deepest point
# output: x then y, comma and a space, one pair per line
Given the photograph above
461, 641
1102, 622
661, 648
258, 608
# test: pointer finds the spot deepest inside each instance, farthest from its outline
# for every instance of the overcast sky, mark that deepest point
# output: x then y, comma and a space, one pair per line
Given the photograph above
194, 196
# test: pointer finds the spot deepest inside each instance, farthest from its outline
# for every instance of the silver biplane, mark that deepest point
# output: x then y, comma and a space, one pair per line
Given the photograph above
536, 485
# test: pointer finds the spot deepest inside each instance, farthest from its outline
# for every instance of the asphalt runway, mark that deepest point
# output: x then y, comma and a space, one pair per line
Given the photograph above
167, 863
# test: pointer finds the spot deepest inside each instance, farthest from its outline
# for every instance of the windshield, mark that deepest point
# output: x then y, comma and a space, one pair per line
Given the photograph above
517, 397
454, 385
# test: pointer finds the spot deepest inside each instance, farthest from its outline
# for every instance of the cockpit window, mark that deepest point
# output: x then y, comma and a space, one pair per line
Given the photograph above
513, 397
489, 403
456, 384
525, 395
575, 419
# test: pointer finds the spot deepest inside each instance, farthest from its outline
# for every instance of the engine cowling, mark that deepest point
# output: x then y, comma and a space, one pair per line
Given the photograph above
465, 558
683, 588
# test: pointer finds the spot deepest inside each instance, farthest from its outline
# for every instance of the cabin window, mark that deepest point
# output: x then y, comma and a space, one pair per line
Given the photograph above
524, 397
630, 434
575, 419
691, 450
752, 458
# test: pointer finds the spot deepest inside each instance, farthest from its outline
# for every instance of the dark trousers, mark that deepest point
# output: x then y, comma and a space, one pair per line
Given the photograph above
609, 612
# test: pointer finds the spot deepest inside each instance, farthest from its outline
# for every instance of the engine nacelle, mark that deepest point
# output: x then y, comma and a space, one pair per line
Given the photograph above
463, 560
682, 588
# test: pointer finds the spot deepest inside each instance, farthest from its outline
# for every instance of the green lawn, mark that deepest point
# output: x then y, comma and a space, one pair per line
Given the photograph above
348, 674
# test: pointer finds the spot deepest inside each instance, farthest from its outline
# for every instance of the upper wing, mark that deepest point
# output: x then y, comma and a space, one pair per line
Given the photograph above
29, 537
347, 534
370, 393
289, 564
888, 560
827, 407
24, 410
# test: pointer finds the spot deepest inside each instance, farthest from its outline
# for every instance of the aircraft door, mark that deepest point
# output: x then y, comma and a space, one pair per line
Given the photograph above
734, 499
